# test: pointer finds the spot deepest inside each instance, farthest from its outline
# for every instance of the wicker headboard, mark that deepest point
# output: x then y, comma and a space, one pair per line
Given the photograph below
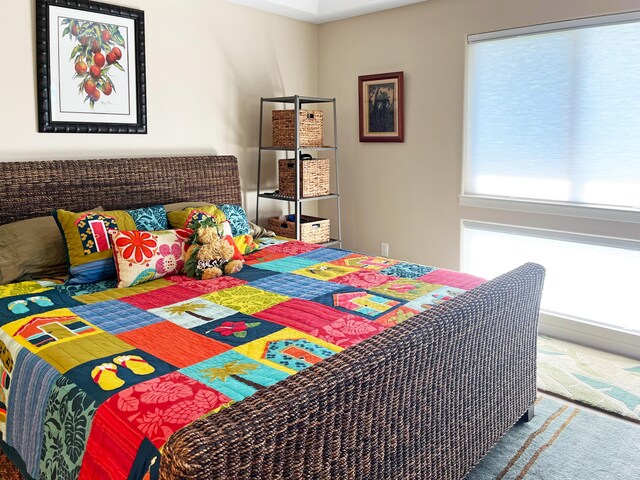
33, 189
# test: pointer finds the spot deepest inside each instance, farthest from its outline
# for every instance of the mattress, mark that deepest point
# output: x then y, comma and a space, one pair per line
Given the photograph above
96, 379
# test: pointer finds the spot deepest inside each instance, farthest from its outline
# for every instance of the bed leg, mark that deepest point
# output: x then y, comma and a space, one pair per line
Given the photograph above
528, 415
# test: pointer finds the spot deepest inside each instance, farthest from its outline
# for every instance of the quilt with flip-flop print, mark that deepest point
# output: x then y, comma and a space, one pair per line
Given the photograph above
95, 379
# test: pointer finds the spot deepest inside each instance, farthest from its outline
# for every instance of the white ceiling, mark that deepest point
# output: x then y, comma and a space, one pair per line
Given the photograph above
321, 11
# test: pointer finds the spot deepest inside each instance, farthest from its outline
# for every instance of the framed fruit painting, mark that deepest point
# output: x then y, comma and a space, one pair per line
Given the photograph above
91, 67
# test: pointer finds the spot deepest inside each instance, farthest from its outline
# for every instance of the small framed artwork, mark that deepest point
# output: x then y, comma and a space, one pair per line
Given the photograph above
91, 68
381, 100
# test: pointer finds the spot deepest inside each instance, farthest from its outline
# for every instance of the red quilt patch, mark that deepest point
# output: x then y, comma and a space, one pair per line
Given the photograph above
160, 297
262, 256
293, 247
364, 279
451, 278
154, 409
301, 315
173, 344
348, 330
322, 322
202, 287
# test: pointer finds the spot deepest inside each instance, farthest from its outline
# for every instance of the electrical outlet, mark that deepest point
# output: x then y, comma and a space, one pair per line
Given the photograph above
384, 249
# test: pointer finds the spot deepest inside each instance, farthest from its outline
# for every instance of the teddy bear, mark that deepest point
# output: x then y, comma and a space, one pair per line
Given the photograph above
209, 254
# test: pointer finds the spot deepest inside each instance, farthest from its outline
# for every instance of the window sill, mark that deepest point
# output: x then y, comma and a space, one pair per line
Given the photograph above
591, 335
596, 212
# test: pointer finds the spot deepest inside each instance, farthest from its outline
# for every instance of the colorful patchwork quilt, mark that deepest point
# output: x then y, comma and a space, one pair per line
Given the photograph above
95, 379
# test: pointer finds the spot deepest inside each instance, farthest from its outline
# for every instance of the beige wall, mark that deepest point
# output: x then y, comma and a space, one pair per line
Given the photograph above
208, 64
407, 194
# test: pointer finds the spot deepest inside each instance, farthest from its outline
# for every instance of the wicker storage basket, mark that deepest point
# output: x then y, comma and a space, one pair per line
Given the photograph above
314, 177
284, 128
315, 230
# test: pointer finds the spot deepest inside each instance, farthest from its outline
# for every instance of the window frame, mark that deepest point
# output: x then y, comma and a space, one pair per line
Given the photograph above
564, 326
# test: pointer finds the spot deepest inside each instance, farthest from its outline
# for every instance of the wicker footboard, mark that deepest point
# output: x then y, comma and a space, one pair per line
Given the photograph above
423, 400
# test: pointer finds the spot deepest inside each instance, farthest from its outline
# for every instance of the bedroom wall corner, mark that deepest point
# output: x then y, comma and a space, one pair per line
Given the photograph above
208, 64
406, 194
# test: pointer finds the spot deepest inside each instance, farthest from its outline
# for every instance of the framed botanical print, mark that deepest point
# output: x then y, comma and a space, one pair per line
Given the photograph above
91, 68
381, 102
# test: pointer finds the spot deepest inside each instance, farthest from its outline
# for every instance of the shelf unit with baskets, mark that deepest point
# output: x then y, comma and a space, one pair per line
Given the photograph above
297, 130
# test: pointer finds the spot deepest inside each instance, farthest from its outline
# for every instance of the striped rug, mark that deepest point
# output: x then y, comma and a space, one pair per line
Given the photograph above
564, 442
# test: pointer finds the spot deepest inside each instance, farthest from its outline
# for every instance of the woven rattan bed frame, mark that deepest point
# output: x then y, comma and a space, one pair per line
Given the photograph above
32, 189
423, 400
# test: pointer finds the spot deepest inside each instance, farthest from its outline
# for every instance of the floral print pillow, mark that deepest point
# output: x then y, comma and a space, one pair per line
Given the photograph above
237, 219
144, 256
150, 218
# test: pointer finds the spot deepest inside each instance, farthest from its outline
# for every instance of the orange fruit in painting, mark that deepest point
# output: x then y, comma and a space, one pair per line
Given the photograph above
117, 52
111, 58
95, 46
99, 60
84, 40
95, 96
74, 30
107, 89
90, 87
106, 35
95, 71
81, 68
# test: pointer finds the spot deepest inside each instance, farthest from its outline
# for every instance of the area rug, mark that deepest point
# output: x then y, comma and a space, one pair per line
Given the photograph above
591, 377
565, 443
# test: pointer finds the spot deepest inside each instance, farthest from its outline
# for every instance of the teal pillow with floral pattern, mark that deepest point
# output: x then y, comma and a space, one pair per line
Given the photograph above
237, 219
150, 219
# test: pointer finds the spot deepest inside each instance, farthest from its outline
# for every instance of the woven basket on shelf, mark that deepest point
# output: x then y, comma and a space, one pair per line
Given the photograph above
314, 177
284, 128
315, 230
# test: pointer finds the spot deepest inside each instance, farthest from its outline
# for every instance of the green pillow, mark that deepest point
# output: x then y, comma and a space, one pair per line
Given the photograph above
172, 207
182, 218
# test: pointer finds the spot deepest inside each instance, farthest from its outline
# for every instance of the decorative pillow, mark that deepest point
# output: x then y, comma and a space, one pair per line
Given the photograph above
172, 207
150, 218
87, 241
182, 218
258, 232
32, 249
144, 256
245, 244
240, 228
237, 218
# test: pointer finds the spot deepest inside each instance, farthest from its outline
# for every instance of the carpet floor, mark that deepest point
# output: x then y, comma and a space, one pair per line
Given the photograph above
564, 442
598, 379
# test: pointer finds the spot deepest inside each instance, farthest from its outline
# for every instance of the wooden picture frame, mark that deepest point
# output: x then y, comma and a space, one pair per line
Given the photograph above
91, 68
381, 104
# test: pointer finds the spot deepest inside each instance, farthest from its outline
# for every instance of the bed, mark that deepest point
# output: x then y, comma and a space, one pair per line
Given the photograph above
424, 397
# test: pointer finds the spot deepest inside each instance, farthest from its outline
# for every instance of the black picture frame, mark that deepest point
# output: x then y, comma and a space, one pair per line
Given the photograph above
136, 105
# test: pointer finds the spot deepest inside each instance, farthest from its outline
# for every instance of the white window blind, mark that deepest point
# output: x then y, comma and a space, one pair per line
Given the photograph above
553, 113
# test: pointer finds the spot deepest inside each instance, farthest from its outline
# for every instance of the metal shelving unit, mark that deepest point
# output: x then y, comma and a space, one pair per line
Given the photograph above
298, 101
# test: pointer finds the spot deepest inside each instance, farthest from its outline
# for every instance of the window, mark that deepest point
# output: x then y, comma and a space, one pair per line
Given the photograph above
588, 278
553, 113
